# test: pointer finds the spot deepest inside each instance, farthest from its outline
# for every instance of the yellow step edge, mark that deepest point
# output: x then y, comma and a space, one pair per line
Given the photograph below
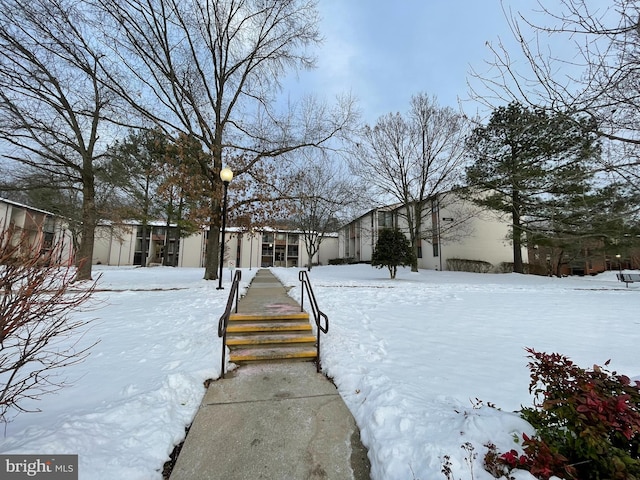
249, 340
281, 356
269, 328
239, 317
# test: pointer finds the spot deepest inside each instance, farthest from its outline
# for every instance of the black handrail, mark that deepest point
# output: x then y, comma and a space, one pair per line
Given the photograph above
317, 313
224, 319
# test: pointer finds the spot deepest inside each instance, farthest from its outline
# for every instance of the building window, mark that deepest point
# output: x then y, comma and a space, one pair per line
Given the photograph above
419, 251
436, 249
47, 241
267, 249
385, 219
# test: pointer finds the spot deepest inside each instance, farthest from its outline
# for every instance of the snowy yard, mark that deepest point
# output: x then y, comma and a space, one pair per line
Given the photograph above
416, 359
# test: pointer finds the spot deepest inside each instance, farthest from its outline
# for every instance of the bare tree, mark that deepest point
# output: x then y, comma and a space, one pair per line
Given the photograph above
52, 101
37, 335
323, 196
211, 70
411, 158
580, 58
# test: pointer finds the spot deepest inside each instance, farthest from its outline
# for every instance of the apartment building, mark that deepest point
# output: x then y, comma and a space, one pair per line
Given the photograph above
122, 245
452, 228
42, 231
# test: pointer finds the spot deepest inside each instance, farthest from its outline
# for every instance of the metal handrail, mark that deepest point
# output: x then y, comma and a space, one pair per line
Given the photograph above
224, 319
317, 313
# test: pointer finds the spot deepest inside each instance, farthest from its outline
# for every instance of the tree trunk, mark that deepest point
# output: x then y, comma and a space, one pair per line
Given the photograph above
212, 254
558, 267
178, 235
415, 234
84, 255
309, 248
312, 246
165, 246
517, 234
143, 246
518, 267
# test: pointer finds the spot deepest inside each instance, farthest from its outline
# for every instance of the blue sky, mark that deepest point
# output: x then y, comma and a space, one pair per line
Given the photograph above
384, 52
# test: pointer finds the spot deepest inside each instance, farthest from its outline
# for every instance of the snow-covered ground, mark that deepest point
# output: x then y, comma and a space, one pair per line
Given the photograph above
416, 359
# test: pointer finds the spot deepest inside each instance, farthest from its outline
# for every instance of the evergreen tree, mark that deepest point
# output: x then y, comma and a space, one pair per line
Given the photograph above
392, 250
157, 177
135, 169
598, 223
529, 164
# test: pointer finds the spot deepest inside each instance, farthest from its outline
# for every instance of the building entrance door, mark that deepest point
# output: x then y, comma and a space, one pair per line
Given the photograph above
280, 256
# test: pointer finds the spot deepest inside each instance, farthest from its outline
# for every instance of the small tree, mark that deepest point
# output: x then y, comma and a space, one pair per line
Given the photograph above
392, 250
322, 198
36, 333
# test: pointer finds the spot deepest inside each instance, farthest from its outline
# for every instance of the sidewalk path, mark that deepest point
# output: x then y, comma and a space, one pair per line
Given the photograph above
275, 421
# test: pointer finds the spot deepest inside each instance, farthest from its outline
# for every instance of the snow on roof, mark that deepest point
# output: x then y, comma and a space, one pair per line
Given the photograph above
21, 205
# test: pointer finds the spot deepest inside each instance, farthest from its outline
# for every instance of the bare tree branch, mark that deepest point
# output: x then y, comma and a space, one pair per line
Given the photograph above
410, 158
37, 335
51, 99
211, 70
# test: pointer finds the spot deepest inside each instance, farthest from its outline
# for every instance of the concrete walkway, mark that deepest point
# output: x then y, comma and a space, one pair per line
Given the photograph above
272, 421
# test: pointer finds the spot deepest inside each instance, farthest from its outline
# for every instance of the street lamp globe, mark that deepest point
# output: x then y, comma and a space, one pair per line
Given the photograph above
226, 174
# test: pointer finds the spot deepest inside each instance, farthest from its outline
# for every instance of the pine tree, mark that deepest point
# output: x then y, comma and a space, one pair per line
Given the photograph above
392, 250
525, 161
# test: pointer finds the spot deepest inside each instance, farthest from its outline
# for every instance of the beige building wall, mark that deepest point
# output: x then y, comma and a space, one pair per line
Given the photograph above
116, 245
43, 229
328, 250
452, 228
358, 241
192, 249
274, 248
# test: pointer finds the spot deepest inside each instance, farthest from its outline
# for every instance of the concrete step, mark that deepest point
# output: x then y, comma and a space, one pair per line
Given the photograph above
269, 339
243, 355
259, 338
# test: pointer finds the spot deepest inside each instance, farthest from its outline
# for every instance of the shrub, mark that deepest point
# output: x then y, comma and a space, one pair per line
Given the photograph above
37, 335
587, 423
592, 417
464, 265
538, 459
340, 261
507, 267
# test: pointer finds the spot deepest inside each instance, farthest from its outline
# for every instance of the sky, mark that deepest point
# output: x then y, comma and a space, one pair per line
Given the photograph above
417, 361
384, 52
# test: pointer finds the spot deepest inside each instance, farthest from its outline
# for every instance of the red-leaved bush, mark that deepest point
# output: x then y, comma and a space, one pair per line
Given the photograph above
587, 424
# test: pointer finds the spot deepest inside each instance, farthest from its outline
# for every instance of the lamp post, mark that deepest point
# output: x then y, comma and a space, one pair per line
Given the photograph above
226, 174
619, 264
